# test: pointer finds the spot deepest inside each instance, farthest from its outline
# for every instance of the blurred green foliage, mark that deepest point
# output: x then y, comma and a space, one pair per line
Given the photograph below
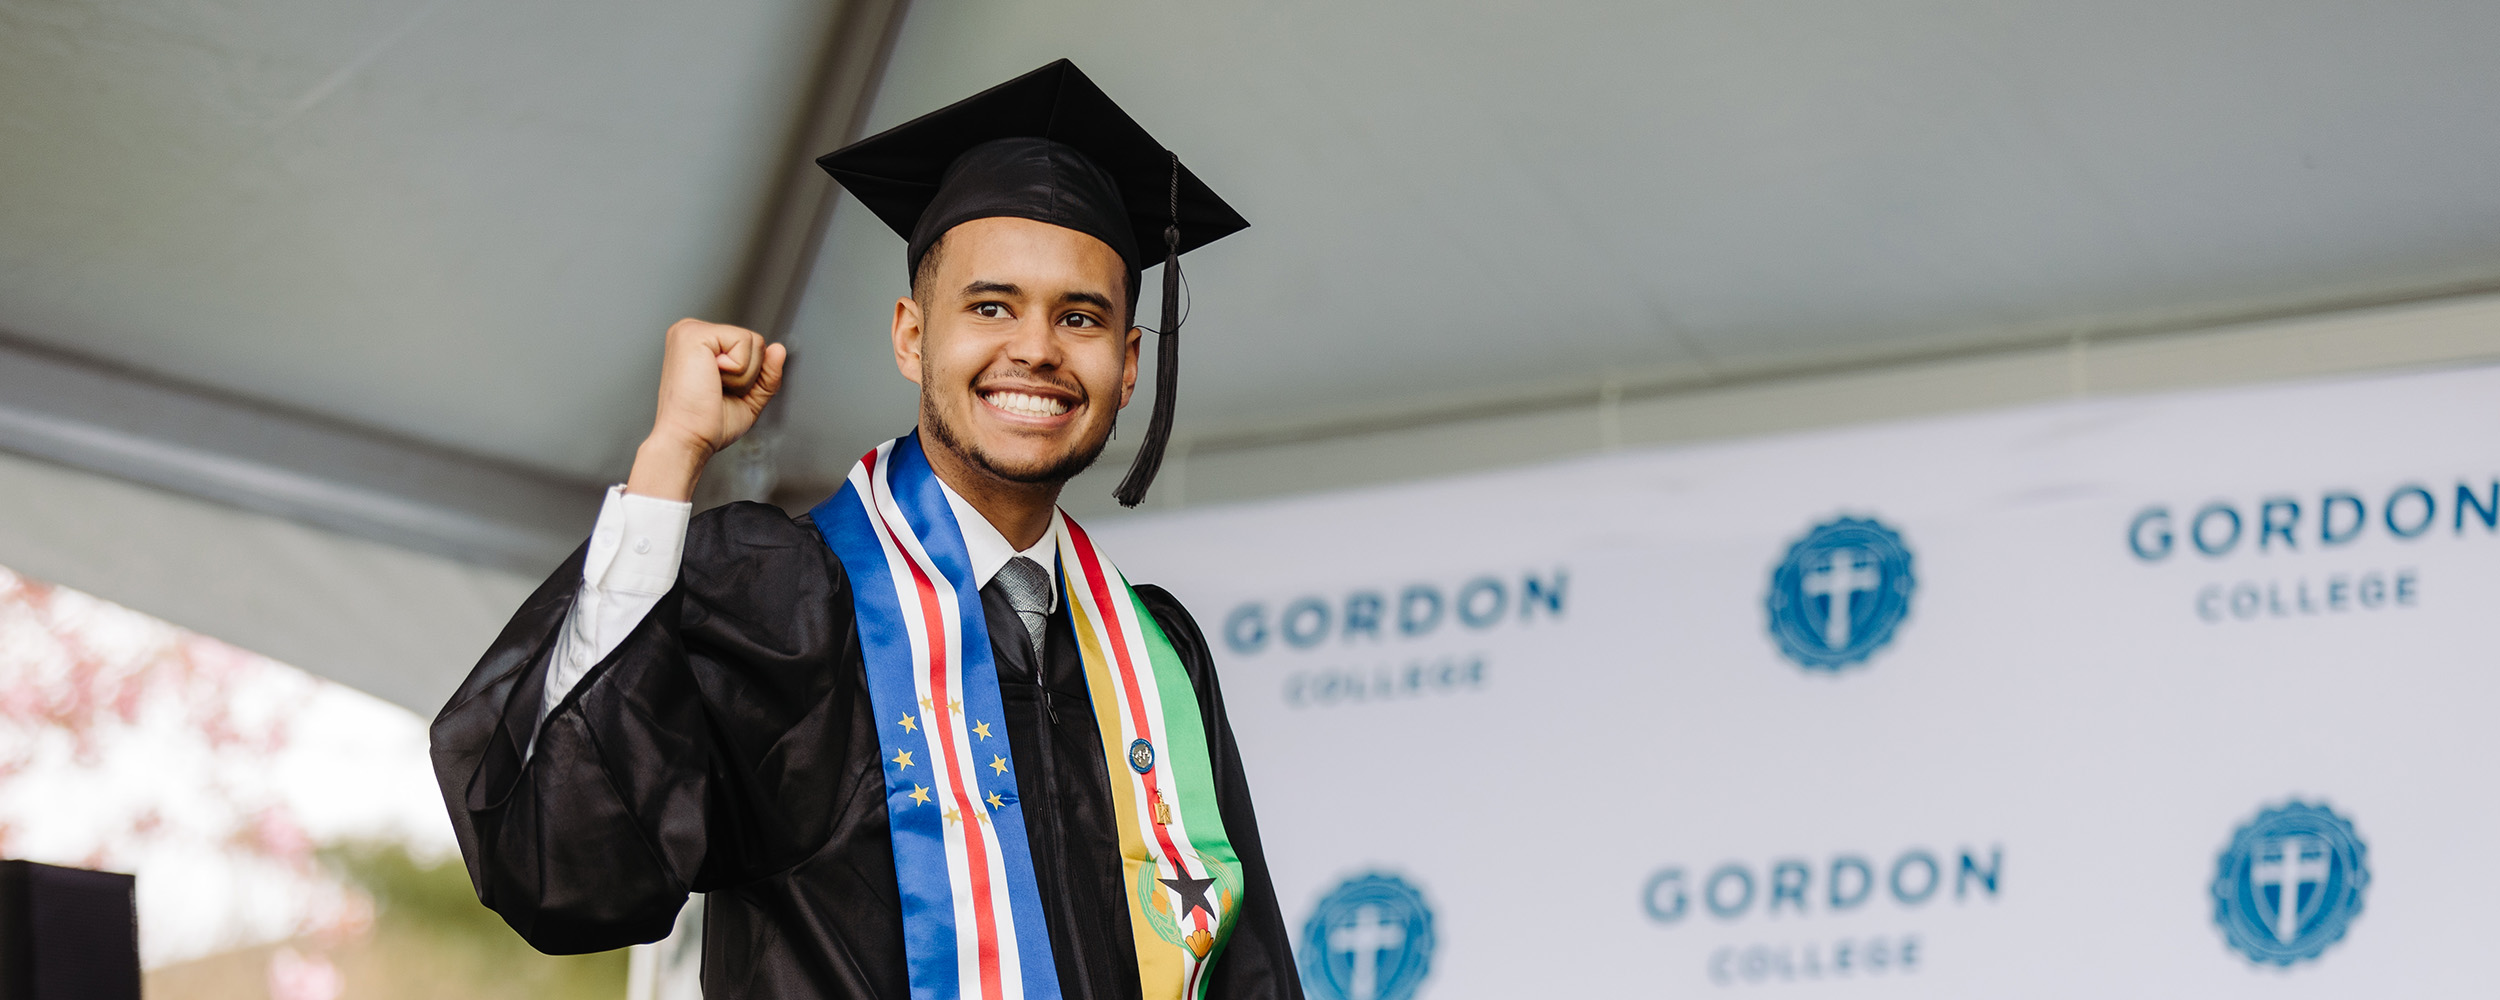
432, 938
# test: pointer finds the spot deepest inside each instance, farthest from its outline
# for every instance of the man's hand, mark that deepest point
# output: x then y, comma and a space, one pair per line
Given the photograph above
714, 380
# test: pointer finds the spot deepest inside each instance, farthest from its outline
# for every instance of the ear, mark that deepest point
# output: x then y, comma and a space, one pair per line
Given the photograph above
1128, 365
908, 332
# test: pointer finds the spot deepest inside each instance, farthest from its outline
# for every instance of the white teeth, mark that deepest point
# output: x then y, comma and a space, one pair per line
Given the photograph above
1026, 404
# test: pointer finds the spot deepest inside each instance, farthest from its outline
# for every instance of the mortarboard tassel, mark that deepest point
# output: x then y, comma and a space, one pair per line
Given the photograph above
1141, 473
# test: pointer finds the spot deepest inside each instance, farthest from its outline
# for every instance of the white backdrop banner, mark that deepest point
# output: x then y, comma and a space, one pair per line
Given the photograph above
2177, 696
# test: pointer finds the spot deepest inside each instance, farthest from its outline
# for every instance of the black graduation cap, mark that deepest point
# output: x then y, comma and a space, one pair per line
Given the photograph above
1051, 147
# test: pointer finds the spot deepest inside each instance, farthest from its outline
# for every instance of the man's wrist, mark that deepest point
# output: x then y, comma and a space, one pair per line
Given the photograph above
666, 468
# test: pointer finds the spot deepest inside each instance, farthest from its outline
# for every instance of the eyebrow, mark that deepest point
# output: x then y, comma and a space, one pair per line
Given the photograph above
1094, 299
1012, 290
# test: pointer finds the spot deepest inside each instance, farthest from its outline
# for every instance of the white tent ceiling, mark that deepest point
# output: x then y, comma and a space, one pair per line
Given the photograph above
465, 223
455, 220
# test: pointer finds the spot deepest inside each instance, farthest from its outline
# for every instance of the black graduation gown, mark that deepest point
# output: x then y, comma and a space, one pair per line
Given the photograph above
726, 747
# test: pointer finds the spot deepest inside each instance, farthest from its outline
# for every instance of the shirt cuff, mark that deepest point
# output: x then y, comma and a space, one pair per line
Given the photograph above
638, 543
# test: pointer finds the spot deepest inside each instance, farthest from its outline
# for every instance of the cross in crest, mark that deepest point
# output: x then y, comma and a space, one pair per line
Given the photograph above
2287, 865
1366, 939
1840, 577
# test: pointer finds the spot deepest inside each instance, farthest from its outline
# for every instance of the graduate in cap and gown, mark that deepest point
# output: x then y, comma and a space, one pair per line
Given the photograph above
924, 740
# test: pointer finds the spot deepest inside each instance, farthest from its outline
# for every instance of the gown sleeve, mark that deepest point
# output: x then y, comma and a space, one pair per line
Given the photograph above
693, 757
1258, 959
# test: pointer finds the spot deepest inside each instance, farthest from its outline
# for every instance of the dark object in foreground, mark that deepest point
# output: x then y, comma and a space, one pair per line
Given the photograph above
67, 933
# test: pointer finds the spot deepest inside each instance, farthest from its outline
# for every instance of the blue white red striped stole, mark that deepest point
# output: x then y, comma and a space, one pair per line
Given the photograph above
972, 915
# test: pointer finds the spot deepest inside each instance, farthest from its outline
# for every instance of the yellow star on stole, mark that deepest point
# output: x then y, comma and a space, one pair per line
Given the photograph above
955, 708
995, 803
952, 816
919, 795
902, 758
924, 704
981, 729
908, 725
998, 762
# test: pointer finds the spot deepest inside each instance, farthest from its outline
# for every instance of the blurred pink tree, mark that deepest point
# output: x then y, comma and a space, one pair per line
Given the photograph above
126, 741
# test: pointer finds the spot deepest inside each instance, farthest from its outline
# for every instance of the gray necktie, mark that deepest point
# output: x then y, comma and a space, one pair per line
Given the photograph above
1027, 586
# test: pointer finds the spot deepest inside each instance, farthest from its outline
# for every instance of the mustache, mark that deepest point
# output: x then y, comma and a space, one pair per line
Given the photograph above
1000, 379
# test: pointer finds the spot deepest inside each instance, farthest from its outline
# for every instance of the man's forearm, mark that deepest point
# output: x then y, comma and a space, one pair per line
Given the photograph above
666, 469
632, 560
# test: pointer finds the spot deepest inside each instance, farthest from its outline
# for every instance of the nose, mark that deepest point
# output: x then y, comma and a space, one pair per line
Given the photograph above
1034, 342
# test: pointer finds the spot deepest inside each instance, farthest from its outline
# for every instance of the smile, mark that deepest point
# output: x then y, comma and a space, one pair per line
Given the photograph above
1025, 404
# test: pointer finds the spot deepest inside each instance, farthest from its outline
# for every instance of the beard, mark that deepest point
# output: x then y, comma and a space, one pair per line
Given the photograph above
1052, 472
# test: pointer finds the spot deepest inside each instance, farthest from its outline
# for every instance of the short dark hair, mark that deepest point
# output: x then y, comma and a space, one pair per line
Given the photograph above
926, 272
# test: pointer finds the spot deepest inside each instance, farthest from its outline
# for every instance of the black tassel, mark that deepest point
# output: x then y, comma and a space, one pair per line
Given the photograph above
1141, 473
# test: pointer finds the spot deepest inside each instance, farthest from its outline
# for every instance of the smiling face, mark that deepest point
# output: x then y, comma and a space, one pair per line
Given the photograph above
1019, 339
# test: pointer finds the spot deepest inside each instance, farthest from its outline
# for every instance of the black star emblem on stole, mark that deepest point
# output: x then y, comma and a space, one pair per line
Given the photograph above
1193, 893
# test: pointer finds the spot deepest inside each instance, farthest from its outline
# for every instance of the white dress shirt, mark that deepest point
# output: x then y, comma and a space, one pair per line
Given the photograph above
639, 542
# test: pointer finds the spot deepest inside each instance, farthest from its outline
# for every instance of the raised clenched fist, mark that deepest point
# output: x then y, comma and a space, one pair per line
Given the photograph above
714, 381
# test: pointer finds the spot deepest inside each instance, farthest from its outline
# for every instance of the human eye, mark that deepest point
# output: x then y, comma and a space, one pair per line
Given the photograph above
1081, 321
990, 310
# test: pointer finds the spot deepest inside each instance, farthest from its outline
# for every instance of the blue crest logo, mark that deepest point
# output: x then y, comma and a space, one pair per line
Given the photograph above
1840, 593
2290, 883
1371, 939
